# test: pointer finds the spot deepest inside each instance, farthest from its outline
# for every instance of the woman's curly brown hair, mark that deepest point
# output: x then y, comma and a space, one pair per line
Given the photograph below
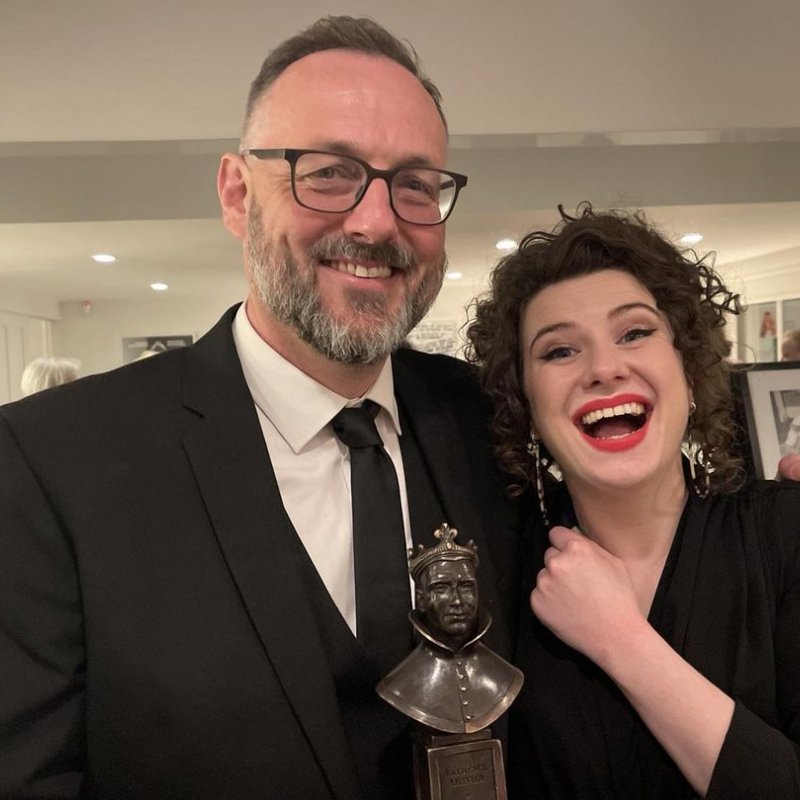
686, 289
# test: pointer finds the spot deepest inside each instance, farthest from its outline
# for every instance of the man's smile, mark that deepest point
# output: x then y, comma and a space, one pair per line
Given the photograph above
360, 270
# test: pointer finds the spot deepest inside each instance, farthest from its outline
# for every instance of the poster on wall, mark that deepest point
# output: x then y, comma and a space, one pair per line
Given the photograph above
436, 336
136, 347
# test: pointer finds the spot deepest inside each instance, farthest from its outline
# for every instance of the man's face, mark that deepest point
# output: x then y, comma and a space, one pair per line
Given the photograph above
301, 262
448, 598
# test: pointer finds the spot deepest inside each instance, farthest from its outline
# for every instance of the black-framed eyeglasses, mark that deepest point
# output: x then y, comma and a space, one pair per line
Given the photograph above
335, 183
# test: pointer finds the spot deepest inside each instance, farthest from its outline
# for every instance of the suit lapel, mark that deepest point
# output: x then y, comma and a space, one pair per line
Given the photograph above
431, 421
439, 441
232, 468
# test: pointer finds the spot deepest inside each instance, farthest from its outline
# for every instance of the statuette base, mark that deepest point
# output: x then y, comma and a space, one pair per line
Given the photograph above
458, 767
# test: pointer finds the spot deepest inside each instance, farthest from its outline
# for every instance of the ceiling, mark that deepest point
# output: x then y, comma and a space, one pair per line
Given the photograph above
113, 116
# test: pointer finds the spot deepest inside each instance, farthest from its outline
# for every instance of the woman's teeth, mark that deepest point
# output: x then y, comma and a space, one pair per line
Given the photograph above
635, 409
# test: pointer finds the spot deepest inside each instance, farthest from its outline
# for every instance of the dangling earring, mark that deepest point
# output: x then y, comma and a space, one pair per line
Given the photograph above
698, 461
534, 450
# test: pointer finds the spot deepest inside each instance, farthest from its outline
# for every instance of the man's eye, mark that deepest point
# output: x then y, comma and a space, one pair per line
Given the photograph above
637, 333
327, 172
324, 173
330, 173
411, 183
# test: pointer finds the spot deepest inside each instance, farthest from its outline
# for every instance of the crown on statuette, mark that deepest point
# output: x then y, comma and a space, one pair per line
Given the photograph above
446, 550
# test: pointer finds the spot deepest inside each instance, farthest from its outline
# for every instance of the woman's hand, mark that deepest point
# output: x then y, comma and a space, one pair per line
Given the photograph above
789, 468
585, 595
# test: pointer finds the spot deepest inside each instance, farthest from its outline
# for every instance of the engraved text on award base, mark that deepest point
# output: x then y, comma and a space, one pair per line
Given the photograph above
460, 767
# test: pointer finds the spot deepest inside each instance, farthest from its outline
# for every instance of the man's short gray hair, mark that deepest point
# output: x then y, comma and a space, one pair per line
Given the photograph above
361, 34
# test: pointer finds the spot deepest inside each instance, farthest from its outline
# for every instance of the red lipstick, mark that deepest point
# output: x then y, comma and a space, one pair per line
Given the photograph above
613, 444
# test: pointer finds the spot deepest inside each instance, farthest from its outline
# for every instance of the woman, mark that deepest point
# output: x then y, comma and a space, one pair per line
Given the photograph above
662, 658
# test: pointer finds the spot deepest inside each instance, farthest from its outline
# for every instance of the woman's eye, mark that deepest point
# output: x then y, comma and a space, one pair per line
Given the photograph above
555, 353
637, 333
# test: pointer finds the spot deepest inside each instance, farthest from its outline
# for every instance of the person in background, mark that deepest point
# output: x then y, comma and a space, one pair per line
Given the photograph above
661, 658
790, 345
47, 372
179, 604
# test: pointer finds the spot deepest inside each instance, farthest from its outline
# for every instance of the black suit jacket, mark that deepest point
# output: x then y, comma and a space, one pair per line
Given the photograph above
156, 637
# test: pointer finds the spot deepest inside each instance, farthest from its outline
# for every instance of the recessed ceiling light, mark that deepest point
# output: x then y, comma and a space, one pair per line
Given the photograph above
104, 258
159, 287
691, 238
506, 245
454, 276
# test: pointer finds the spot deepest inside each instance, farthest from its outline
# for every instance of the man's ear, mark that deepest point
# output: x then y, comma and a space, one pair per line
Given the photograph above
232, 188
419, 599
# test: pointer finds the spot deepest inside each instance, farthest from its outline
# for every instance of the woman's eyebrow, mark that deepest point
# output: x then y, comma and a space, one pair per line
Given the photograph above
615, 312
556, 326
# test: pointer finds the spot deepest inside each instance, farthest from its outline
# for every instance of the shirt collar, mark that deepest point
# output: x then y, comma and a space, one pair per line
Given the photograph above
276, 384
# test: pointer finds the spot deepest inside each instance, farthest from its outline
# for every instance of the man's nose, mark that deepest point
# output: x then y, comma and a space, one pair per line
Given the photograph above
373, 220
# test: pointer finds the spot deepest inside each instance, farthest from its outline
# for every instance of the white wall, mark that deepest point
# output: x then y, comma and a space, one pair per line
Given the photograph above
22, 338
773, 285
24, 335
96, 337
27, 304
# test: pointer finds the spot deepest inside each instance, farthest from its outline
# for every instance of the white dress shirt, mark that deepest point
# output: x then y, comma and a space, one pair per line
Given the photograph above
311, 465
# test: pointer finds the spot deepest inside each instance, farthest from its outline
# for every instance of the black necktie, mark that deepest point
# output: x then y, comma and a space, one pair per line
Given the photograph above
379, 548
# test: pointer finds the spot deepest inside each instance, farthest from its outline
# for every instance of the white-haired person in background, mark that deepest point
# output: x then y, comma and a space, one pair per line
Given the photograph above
47, 372
790, 345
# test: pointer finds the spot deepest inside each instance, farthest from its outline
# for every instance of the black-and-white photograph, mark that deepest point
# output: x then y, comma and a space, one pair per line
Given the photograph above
786, 411
771, 398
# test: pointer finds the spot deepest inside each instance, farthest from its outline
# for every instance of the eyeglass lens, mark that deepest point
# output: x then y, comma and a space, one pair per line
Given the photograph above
325, 182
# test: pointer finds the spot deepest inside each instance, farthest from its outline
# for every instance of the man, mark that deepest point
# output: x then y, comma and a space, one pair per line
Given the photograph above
178, 612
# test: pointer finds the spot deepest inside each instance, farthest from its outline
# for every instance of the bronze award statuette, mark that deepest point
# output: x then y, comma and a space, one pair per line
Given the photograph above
451, 683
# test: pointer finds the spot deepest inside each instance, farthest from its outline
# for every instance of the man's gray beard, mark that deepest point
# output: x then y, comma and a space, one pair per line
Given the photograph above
293, 296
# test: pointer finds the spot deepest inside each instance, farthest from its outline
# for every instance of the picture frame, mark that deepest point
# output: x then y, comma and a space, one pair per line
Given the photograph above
768, 397
134, 347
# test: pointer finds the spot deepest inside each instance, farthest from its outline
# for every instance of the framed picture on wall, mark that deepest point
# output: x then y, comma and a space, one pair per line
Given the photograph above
136, 347
770, 402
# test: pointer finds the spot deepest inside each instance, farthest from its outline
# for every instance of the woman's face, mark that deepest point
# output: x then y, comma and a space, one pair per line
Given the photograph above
605, 385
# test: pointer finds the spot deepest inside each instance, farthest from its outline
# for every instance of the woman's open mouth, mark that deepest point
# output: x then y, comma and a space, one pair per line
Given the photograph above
615, 427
